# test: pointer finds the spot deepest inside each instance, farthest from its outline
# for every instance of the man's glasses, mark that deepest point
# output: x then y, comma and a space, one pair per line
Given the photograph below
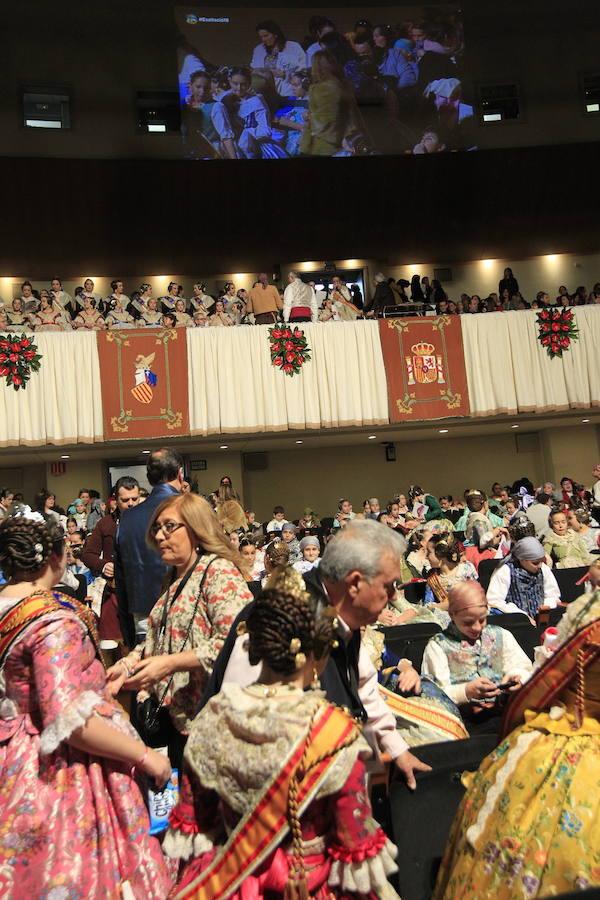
167, 528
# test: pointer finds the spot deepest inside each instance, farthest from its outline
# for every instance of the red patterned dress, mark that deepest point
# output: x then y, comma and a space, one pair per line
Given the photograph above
72, 826
237, 745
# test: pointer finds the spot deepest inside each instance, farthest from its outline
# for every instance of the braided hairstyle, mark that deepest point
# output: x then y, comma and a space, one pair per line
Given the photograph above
277, 553
26, 545
446, 547
285, 626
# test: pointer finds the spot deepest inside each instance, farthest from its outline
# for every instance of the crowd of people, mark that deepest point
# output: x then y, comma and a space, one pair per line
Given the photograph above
246, 652
54, 309
307, 96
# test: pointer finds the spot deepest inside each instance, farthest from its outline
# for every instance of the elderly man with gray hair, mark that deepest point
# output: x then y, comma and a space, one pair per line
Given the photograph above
357, 576
299, 301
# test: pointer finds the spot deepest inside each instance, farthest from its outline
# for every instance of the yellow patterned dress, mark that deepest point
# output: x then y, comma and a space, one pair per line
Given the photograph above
529, 824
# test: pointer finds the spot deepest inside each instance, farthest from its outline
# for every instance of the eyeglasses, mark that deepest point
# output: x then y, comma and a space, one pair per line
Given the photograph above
167, 528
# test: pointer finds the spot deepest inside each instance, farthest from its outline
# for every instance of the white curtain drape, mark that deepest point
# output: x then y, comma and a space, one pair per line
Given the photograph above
62, 403
508, 371
233, 387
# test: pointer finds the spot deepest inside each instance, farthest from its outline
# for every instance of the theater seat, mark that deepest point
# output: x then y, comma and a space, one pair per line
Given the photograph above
567, 582
421, 820
408, 642
327, 524
521, 628
415, 591
485, 571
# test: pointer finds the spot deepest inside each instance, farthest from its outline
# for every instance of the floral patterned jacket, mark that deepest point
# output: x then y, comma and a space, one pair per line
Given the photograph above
224, 595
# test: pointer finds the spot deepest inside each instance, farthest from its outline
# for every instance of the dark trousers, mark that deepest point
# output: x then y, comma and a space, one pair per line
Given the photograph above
294, 319
268, 318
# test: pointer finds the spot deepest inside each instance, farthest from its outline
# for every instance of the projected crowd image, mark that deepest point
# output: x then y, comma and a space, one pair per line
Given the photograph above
276, 84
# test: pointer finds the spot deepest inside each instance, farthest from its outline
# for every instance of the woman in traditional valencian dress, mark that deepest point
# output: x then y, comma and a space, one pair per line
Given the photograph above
274, 801
47, 318
72, 819
528, 825
89, 318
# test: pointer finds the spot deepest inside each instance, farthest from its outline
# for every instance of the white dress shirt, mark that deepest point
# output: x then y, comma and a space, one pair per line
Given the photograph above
435, 664
500, 583
380, 727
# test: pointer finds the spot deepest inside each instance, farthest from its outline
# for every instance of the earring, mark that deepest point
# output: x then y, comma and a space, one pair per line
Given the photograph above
315, 683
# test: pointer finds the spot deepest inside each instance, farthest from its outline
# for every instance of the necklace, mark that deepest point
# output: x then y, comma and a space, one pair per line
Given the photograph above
270, 690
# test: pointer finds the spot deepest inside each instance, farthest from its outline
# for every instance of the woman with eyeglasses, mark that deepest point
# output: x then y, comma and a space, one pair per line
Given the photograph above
192, 617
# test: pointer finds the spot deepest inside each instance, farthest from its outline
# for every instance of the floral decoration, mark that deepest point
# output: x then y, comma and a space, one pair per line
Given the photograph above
556, 329
19, 357
289, 350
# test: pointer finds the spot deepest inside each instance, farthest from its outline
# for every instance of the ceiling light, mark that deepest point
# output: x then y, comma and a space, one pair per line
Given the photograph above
444, 430
585, 421
146, 451
65, 456
372, 437
299, 442
515, 426
223, 447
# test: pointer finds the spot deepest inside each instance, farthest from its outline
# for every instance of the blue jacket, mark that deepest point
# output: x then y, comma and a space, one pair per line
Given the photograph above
139, 570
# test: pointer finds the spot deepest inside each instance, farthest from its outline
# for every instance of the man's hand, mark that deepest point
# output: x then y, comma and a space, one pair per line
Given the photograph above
408, 765
109, 570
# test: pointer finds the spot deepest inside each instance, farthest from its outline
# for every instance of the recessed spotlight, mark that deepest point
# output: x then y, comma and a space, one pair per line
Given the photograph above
444, 430
372, 437
223, 447
299, 442
515, 426
585, 421
65, 456
145, 452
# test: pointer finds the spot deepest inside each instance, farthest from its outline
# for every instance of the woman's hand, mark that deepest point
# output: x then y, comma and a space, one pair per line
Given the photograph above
517, 685
117, 675
157, 767
109, 570
148, 671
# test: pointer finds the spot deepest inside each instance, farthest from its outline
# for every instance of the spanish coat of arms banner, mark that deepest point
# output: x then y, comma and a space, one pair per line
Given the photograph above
144, 376
425, 368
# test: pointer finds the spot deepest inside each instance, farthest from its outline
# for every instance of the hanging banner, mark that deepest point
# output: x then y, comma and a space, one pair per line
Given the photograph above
425, 368
144, 375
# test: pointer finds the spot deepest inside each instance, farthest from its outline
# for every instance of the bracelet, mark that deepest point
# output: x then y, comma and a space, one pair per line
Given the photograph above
140, 761
130, 671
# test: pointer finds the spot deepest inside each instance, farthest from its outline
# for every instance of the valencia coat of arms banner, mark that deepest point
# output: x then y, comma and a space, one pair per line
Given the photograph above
425, 368
144, 375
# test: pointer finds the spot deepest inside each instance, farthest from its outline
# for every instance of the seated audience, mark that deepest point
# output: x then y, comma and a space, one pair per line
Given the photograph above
447, 568
472, 658
566, 547
311, 554
523, 582
579, 521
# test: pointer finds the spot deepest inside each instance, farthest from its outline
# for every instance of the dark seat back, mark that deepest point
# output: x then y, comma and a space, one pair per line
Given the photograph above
421, 819
567, 582
485, 571
521, 628
327, 524
408, 642
415, 591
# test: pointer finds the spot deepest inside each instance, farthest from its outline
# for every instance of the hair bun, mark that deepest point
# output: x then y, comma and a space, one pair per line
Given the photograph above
26, 544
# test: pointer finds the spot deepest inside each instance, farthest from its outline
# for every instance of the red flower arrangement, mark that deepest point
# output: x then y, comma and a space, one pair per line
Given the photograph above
19, 357
289, 350
556, 329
